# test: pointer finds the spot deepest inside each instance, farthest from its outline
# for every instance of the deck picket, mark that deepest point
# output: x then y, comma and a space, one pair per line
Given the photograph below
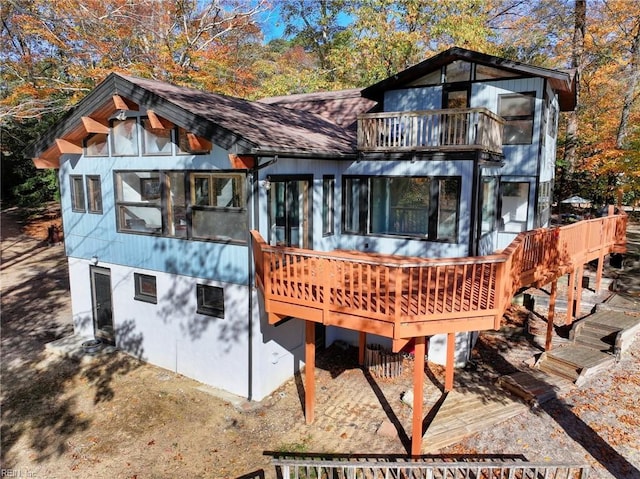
401, 290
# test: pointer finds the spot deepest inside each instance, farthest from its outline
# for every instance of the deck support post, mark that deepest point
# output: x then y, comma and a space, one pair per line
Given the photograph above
418, 394
571, 287
362, 345
309, 371
551, 314
579, 277
448, 375
599, 271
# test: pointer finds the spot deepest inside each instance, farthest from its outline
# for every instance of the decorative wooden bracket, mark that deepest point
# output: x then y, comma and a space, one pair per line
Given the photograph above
241, 162
198, 144
157, 122
121, 103
93, 126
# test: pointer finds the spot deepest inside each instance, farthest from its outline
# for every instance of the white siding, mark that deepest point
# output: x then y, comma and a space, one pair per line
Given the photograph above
170, 334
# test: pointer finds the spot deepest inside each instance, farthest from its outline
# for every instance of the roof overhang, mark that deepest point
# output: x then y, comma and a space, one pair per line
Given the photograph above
562, 82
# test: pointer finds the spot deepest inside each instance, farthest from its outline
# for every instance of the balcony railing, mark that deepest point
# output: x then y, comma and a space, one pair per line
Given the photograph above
431, 130
403, 297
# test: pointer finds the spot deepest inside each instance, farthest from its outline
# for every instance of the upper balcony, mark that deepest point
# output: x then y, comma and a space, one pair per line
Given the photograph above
463, 129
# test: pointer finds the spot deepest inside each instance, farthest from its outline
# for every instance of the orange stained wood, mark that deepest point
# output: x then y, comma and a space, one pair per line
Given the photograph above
404, 297
158, 122
198, 143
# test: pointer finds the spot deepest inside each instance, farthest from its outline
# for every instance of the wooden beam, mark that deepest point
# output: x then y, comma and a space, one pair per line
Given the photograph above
551, 314
122, 103
309, 371
197, 143
241, 162
93, 126
44, 163
571, 286
600, 268
158, 122
579, 276
362, 345
65, 146
418, 396
448, 374
119, 103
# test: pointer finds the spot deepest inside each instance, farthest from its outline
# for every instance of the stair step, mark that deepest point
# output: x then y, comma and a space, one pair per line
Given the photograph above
607, 336
559, 368
548, 368
597, 326
594, 343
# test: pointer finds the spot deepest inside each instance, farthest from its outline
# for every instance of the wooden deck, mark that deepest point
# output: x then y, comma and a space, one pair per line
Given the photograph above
406, 298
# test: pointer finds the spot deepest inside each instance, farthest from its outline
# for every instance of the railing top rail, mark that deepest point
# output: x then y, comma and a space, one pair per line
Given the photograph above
419, 464
449, 111
416, 262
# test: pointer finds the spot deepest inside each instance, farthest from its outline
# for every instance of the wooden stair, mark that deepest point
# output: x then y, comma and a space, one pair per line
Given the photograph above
596, 343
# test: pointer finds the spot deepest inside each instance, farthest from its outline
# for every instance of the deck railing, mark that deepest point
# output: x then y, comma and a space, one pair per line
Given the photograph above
307, 469
398, 297
443, 130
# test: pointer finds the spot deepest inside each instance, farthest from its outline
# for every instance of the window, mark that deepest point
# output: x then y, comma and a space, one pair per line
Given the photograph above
515, 206
201, 205
328, 207
94, 194
145, 288
155, 141
421, 207
458, 70
210, 300
545, 192
124, 137
77, 194
400, 206
448, 211
517, 111
355, 200
138, 202
96, 145
218, 206
488, 213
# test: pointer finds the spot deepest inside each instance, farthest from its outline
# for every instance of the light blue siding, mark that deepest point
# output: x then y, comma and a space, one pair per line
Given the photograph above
88, 235
413, 99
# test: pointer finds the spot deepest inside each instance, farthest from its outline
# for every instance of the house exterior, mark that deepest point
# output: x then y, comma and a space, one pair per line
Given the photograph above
161, 185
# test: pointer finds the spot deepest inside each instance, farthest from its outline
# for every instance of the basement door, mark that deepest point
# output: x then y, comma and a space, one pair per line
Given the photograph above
102, 304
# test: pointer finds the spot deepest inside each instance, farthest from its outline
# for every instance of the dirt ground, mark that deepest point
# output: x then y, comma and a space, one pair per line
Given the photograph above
116, 417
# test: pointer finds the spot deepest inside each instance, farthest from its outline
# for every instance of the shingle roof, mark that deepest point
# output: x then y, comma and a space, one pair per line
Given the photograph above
267, 127
341, 107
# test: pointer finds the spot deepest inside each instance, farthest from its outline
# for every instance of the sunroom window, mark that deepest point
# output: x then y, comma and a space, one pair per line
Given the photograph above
218, 206
124, 137
400, 206
155, 141
421, 207
138, 202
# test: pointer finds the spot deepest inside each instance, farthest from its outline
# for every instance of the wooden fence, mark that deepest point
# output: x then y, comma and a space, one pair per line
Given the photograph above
315, 469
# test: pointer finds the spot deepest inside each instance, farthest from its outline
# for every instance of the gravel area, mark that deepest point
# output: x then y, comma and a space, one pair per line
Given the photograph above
114, 417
